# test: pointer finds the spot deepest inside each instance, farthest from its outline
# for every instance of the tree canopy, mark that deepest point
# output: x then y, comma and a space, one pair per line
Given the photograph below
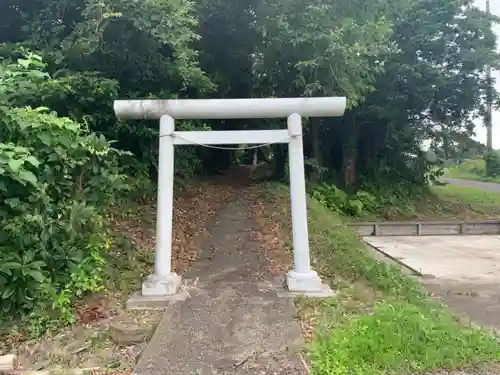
413, 70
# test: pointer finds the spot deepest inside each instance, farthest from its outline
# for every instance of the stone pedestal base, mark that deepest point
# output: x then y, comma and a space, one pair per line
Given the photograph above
161, 285
307, 284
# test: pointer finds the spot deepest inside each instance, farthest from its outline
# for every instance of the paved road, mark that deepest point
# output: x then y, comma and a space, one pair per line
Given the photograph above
481, 185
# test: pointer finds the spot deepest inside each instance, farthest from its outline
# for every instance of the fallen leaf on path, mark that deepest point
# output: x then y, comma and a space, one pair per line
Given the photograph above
93, 312
269, 230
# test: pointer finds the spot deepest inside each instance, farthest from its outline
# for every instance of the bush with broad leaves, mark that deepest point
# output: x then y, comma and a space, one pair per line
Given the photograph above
55, 179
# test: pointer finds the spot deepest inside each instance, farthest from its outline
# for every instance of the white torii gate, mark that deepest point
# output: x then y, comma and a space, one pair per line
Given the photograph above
164, 282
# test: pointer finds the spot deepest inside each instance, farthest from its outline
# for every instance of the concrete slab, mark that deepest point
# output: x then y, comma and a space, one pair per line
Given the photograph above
234, 321
464, 259
140, 302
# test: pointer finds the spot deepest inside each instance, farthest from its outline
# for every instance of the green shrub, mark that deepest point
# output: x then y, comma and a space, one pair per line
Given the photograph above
188, 162
88, 98
55, 178
492, 161
338, 201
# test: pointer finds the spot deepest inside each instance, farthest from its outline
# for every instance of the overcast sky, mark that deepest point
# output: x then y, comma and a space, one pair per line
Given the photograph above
480, 129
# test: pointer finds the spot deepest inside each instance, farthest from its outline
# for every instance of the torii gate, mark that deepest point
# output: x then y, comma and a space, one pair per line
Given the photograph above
164, 282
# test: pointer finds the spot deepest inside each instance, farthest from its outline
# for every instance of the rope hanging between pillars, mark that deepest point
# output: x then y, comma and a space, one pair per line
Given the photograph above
229, 148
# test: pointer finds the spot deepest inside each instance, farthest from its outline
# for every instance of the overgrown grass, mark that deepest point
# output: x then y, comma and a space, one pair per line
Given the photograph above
381, 321
440, 202
478, 202
337, 251
399, 338
472, 169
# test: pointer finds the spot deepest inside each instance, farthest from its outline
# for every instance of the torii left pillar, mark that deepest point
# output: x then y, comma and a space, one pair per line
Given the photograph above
164, 282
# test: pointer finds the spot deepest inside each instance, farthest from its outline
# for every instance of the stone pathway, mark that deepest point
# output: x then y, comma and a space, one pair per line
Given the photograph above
234, 322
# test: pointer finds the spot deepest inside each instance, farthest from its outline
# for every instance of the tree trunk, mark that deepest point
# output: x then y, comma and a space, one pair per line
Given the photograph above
316, 149
280, 160
349, 170
262, 155
255, 158
349, 152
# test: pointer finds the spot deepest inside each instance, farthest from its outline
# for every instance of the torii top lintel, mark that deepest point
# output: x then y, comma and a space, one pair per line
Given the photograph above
207, 109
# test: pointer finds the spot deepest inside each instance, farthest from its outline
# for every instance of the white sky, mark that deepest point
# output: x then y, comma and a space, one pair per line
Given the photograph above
480, 129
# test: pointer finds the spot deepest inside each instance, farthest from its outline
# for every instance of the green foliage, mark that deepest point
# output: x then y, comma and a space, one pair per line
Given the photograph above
55, 177
338, 201
405, 201
141, 42
20, 78
316, 40
412, 71
187, 159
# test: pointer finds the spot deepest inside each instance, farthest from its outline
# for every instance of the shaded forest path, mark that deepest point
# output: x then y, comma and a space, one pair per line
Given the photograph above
235, 320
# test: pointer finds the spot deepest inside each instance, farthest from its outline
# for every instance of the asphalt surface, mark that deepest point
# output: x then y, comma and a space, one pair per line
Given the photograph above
492, 187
